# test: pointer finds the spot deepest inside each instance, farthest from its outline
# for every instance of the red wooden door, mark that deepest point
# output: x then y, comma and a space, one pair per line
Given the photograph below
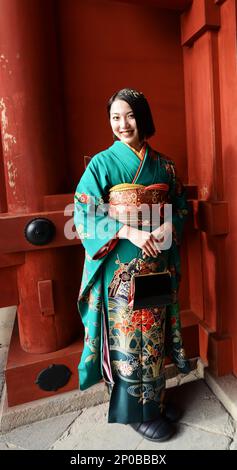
208, 35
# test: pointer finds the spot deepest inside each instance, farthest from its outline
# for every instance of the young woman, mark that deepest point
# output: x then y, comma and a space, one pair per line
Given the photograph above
127, 347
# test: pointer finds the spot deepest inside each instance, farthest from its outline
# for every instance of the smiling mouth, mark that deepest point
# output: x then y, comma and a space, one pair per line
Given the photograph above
126, 132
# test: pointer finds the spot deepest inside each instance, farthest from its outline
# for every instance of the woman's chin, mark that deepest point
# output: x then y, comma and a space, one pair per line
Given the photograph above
129, 141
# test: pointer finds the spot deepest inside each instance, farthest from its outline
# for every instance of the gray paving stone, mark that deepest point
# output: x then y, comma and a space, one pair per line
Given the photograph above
3, 445
3, 357
7, 317
40, 435
1, 382
225, 389
189, 438
233, 445
8, 445
91, 431
202, 409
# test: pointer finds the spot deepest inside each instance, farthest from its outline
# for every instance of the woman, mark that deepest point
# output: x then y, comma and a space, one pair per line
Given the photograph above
127, 347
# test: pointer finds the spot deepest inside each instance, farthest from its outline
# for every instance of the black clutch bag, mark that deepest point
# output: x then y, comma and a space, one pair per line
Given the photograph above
152, 290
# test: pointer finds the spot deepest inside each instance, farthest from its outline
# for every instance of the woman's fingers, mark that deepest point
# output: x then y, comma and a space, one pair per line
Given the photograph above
151, 253
146, 241
155, 244
148, 250
152, 248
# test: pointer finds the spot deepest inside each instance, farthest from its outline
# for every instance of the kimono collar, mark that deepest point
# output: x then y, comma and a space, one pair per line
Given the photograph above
141, 153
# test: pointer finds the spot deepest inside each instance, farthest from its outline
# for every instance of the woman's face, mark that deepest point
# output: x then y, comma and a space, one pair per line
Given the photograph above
123, 123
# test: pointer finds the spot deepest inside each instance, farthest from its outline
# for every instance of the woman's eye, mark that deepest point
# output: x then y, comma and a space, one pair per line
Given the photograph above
131, 116
115, 118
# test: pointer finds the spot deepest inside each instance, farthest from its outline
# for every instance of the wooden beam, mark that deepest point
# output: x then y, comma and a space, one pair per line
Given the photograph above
12, 231
180, 5
203, 16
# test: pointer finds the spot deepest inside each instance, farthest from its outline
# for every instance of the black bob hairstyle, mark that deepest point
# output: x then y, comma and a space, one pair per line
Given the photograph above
140, 108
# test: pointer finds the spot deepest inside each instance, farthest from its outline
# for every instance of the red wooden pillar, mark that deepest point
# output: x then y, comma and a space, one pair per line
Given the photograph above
201, 26
34, 179
228, 109
34, 161
31, 120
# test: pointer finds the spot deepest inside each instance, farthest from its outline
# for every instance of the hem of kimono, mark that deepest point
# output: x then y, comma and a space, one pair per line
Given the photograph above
85, 386
153, 417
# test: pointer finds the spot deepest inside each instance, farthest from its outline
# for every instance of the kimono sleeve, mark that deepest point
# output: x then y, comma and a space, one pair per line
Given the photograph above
95, 228
177, 197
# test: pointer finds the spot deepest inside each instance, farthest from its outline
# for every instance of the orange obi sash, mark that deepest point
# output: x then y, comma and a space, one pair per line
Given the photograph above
131, 203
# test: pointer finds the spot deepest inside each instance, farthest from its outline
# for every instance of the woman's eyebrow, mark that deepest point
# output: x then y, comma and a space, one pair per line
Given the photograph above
129, 112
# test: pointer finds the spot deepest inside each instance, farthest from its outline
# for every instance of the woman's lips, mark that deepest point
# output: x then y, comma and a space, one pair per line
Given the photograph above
126, 132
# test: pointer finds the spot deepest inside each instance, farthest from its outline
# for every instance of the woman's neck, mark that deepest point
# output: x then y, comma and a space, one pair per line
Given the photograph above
140, 153
136, 147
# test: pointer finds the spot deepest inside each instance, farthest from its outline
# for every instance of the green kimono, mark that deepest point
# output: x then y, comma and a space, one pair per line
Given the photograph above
126, 348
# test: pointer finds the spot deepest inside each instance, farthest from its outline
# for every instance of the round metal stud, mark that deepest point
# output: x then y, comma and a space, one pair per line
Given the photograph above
40, 231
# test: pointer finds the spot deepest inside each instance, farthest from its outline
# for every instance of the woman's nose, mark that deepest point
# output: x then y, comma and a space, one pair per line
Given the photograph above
123, 122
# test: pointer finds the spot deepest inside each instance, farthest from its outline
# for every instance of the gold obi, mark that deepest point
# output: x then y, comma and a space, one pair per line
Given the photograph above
132, 203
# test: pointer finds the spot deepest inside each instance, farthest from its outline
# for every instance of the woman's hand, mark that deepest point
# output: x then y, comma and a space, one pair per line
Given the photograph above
163, 233
141, 238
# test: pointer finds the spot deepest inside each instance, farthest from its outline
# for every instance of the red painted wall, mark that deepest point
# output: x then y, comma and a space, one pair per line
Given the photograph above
110, 45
